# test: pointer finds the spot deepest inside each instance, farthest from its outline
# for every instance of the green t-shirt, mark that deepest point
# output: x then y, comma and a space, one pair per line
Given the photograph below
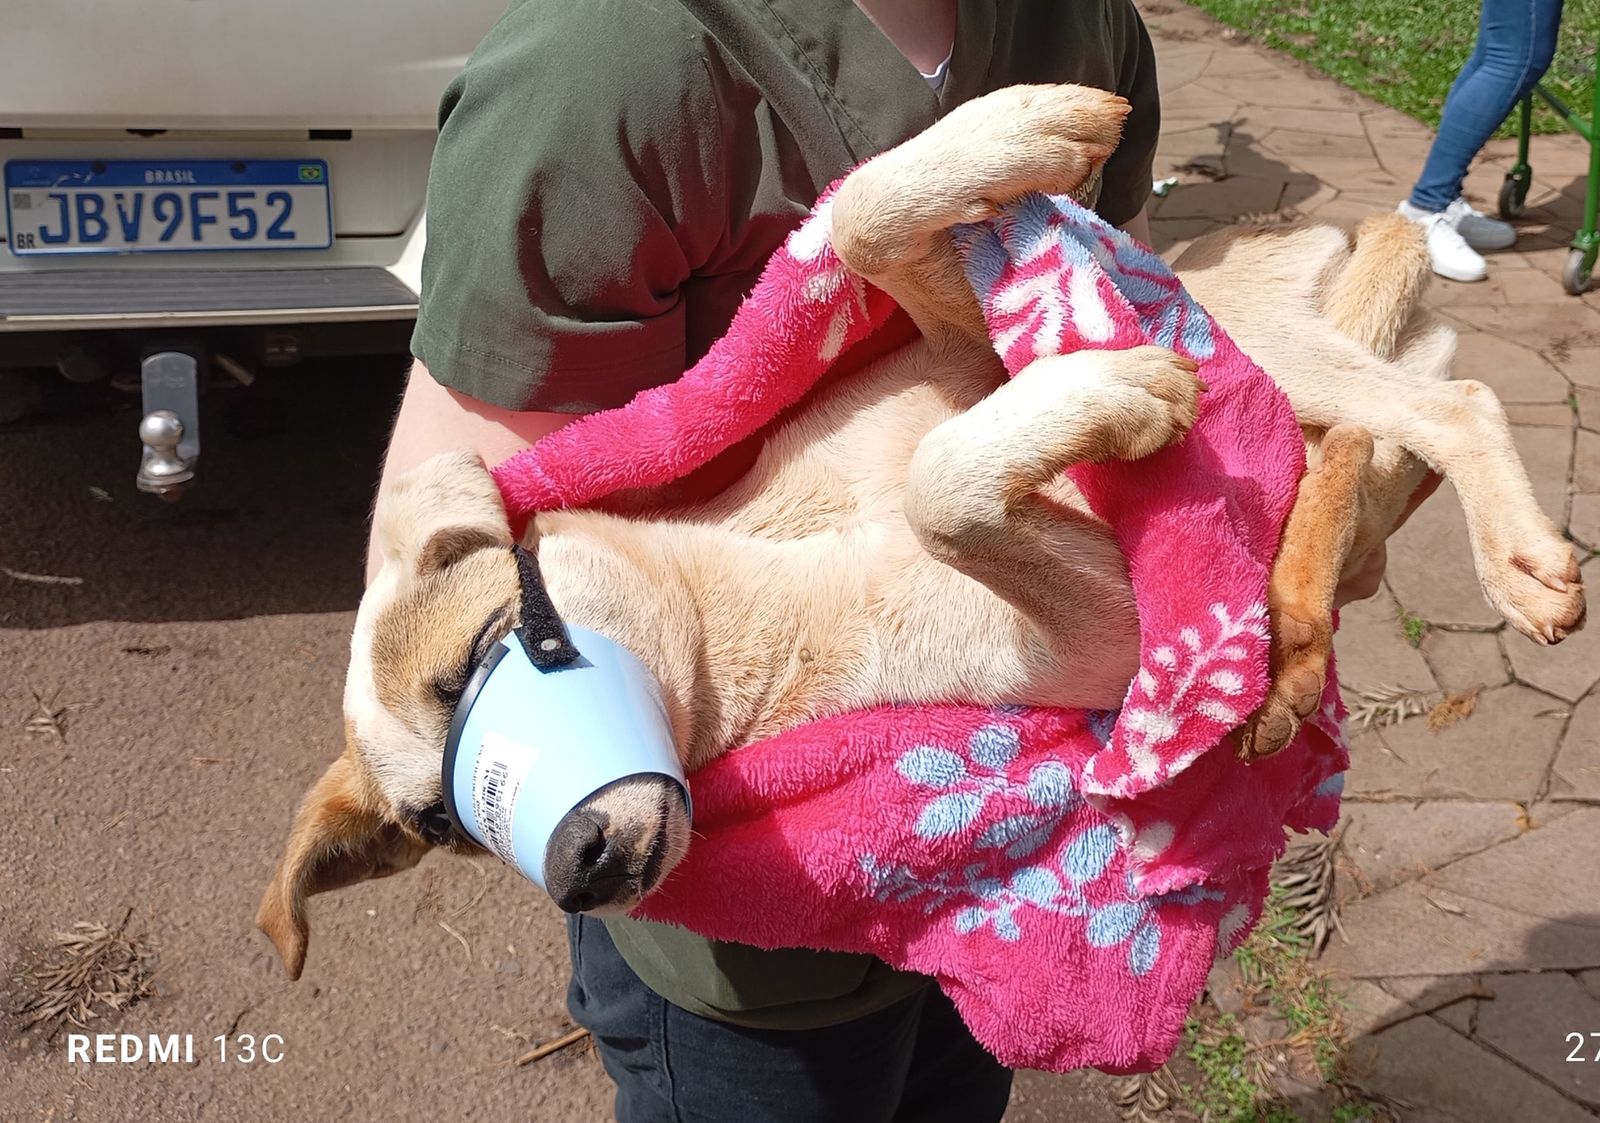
610, 178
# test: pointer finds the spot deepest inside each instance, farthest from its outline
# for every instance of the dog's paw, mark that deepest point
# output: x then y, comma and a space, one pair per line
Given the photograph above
1156, 401
1537, 586
1300, 650
993, 150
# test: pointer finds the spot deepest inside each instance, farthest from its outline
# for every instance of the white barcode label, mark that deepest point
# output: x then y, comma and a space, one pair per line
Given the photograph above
502, 763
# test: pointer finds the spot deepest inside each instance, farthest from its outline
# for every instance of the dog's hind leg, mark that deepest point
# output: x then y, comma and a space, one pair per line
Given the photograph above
1375, 298
1316, 541
984, 492
892, 216
1527, 570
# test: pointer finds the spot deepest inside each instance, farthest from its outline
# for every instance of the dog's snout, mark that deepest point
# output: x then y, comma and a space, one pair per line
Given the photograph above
585, 867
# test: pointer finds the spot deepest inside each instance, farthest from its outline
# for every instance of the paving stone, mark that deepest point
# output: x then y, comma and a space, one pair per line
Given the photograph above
1586, 464
1393, 842
1547, 455
1402, 158
1462, 660
1516, 373
1366, 1004
1548, 810
1446, 997
1548, 875
1293, 143
1390, 124
1168, 232
1238, 60
1427, 1064
1544, 415
1587, 400
1491, 290
1228, 199
1354, 176
1320, 122
1568, 670
1430, 566
1581, 364
1347, 212
1180, 66
1373, 650
1194, 103
1501, 752
1529, 1020
1576, 774
1584, 521
1527, 286
1417, 929
1272, 90
1204, 146
1561, 156
1542, 326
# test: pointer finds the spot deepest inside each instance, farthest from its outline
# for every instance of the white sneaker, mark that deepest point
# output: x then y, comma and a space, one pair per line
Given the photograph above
1479, 230
1447, 249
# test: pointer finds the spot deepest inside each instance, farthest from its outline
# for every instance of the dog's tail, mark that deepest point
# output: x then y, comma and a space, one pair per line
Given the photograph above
1375, 295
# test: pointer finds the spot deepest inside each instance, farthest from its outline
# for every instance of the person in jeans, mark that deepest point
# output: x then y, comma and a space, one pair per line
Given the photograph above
1516, 41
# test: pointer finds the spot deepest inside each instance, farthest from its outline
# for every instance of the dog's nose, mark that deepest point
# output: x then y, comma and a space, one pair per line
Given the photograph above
584, 867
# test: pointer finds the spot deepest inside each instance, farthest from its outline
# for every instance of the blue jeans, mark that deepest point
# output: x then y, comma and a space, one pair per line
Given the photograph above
1516, 41
913, 1062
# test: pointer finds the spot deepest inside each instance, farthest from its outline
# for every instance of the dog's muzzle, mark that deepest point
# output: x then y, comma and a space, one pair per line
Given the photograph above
550, 717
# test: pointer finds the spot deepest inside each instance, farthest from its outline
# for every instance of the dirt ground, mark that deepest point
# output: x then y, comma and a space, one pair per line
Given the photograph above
192, 657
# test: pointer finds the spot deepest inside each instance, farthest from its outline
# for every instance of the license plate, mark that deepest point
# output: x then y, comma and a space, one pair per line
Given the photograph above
141, 206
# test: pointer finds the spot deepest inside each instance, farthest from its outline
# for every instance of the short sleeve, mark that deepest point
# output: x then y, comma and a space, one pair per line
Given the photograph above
575, 187
1125, 181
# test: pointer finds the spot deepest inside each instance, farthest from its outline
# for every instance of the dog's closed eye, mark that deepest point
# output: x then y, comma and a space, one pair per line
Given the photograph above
449, 687
433, 823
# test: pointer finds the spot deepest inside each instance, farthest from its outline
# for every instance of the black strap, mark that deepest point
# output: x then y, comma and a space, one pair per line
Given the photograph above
543, 635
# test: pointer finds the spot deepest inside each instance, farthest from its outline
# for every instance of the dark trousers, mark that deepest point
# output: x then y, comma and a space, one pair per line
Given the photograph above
914, 1062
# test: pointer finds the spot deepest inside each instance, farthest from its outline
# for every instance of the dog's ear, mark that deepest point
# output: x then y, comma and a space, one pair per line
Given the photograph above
438, 512
338, 839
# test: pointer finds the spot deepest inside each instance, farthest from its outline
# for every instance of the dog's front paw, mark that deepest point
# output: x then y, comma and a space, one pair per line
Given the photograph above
1537, 586
1156, 401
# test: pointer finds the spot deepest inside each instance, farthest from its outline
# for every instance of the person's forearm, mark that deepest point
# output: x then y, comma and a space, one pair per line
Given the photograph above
433, 419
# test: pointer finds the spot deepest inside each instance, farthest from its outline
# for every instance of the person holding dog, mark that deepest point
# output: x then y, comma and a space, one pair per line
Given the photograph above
610, 180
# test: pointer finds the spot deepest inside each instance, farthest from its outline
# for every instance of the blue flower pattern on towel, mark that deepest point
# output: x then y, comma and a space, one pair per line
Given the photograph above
1087, 244
990, 892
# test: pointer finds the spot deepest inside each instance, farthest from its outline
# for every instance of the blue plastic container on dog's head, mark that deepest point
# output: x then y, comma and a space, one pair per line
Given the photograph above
529, 744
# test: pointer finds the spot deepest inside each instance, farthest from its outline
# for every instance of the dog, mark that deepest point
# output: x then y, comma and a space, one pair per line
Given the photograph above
922, 497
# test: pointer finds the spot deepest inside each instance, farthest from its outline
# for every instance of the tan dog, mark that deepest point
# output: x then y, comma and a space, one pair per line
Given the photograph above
909, 536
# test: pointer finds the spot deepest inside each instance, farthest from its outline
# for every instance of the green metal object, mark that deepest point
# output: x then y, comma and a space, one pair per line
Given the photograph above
1579, 268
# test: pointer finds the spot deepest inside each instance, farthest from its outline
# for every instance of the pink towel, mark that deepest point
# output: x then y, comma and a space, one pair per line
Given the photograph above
1067, 876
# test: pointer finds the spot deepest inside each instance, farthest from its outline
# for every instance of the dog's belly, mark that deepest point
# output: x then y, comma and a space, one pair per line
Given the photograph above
821, 571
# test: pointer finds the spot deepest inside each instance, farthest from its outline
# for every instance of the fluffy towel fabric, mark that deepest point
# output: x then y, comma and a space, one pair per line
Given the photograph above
1067, 876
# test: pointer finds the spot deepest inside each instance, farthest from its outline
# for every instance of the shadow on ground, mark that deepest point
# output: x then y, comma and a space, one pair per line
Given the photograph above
276, 522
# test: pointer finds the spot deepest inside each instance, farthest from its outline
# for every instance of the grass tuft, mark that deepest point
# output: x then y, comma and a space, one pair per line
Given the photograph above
1414, 627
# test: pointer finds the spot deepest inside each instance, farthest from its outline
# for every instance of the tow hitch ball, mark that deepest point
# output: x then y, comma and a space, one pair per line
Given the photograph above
170, 428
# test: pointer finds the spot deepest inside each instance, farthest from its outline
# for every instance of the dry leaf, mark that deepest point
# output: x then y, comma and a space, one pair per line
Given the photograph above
1454, 708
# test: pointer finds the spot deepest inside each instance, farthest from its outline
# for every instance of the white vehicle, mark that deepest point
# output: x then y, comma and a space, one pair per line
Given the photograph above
177, 173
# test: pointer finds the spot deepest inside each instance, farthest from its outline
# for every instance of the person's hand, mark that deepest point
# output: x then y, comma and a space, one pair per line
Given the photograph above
1367, 577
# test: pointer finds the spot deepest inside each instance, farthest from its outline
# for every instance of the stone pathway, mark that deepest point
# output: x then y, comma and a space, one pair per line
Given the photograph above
1471, 856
